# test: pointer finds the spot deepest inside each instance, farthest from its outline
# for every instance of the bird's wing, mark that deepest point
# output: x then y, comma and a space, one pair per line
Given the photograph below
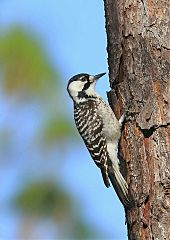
89, 125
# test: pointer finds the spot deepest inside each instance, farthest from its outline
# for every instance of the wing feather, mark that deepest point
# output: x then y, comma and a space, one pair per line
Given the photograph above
90, 125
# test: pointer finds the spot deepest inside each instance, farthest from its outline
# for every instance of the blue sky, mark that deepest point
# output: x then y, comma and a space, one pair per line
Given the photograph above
74, 34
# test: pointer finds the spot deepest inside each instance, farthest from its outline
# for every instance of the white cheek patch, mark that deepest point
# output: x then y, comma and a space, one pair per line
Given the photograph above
91, 90
75, 87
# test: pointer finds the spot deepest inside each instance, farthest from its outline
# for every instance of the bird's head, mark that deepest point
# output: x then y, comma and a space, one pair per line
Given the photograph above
81, 87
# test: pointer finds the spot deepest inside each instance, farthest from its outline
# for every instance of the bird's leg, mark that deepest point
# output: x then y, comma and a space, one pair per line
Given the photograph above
121, 119
125, 116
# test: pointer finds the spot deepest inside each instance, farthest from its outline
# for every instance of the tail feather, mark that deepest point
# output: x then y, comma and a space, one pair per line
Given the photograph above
120, 186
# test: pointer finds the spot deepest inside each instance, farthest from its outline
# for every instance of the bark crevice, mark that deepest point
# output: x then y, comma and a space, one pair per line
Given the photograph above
149, 132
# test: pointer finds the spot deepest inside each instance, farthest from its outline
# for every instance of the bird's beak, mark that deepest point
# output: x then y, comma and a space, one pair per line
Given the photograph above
98, 76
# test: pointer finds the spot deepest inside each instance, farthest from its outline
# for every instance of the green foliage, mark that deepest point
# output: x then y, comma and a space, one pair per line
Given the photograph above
27, 71
25, 65
44, 199
83, 231
58, 128
47, 200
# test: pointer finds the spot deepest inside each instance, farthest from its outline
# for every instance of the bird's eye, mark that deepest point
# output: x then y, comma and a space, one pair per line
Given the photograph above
84, 79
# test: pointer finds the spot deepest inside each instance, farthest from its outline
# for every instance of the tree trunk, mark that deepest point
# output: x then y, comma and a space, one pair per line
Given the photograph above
138, 35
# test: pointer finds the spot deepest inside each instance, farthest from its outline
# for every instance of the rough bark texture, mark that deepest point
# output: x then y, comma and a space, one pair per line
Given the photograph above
138, 34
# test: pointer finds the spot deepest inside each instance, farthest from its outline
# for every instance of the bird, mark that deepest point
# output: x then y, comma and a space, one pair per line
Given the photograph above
99, 129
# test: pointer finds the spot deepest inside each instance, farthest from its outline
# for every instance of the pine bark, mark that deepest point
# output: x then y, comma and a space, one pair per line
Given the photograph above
138, 45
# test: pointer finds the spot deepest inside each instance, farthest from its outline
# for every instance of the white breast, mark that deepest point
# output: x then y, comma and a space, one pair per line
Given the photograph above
111, 128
